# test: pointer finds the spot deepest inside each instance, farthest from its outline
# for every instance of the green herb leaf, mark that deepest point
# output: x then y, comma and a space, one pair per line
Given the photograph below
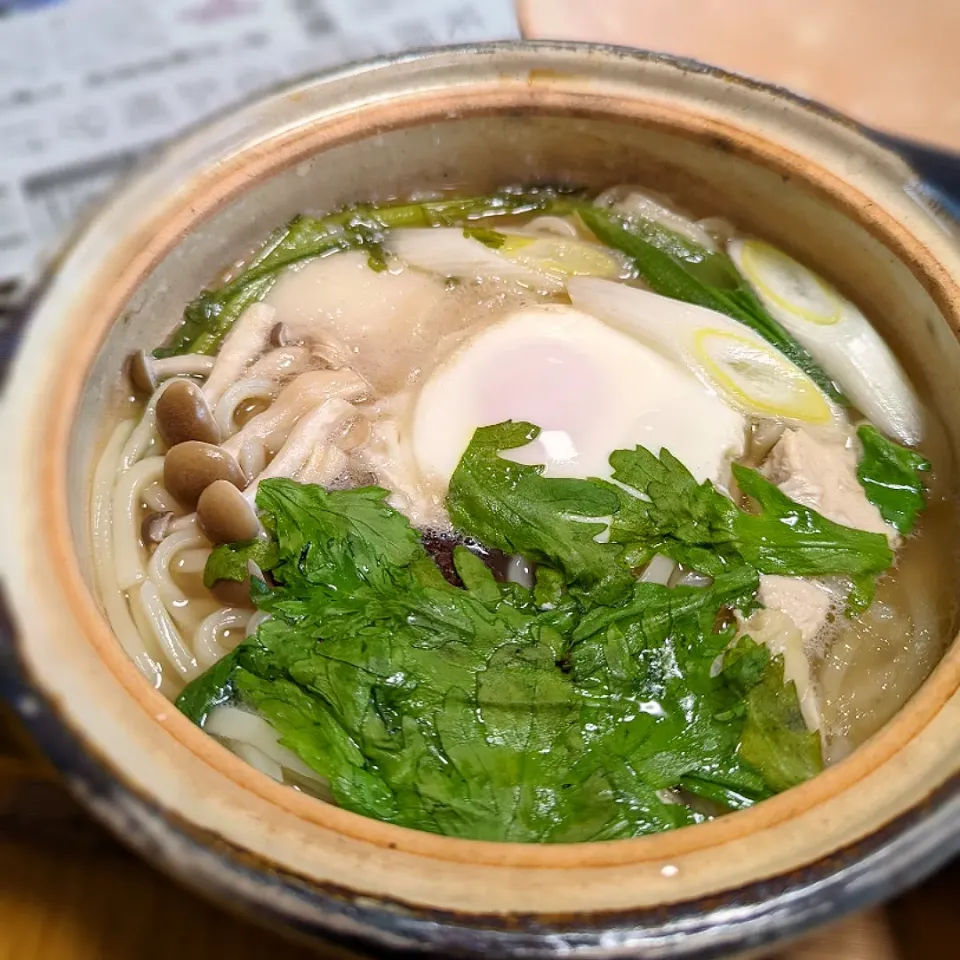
790, 539
514, 508
494, 712
862, 591
890, 476
231, 561
678, 268
699, 527
209, 690
775, 740
691, 523
489, 238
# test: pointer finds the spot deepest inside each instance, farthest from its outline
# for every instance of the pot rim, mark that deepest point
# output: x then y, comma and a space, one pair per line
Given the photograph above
907, 848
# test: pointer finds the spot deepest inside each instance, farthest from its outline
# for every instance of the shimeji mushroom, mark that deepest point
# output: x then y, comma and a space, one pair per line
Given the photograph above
189, 468
248, 339
184, 414
225, 515
146, 372
311, 431
268, 430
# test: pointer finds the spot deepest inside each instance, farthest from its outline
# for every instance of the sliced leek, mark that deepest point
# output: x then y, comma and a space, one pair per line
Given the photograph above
836, 334
542, 262
738, 364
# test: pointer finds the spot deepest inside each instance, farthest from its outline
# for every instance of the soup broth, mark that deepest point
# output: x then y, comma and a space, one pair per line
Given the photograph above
536, 516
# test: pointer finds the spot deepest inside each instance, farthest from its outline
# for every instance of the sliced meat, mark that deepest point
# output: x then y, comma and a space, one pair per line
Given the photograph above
805, 602
820, 472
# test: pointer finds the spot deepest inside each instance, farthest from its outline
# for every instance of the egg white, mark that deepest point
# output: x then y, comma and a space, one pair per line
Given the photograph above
590, 388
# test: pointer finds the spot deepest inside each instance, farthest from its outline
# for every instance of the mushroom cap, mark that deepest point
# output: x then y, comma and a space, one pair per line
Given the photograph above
190, 467
184, 414
225, 515
141, 371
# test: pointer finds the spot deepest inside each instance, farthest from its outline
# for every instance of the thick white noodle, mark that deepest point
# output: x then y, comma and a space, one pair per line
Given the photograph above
165, 631
157, 499
240, 726
178, 604
208, 647
180, 524
193, 561
252, 458
128, 552
114, 602
272, 427
260, 388
145, 433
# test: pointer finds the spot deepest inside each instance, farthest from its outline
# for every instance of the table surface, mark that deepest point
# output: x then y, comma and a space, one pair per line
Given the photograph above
68, 890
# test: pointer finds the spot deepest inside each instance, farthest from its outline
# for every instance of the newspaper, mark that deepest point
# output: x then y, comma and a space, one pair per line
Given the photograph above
88, 87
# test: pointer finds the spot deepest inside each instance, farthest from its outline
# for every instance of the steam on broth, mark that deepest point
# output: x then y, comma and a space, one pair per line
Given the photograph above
533, 516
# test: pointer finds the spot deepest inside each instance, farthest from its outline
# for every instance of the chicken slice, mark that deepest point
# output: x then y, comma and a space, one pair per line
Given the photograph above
805, 602
820, 471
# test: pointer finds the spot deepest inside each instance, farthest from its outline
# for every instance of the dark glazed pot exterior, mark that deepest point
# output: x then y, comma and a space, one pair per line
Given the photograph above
474, 116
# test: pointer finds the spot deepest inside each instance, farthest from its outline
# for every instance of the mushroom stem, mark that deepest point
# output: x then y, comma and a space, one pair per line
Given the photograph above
282, 362
311, 430
270, 429
146, 372
248, 338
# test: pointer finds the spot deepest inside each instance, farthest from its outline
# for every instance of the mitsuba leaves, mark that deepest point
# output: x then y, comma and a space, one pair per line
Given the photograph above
891, 477
514, 508
488, 712
699, 527
591, 707
231, 561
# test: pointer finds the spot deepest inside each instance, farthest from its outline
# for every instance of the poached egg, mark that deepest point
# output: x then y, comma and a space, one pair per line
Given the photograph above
590, 388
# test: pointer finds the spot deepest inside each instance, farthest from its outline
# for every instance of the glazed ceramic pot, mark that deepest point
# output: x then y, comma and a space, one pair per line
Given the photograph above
471, 118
